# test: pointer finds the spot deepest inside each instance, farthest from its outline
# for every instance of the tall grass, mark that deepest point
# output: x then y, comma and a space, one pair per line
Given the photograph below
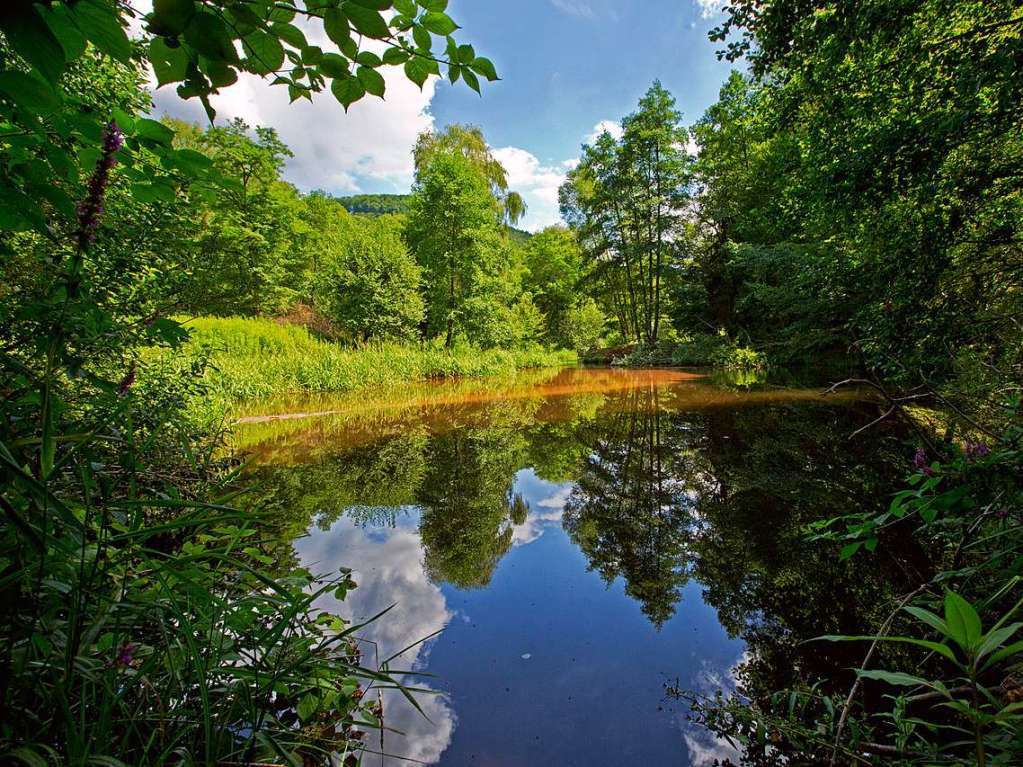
251, 358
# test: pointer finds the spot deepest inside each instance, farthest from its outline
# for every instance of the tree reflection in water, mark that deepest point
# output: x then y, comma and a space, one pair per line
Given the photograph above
631, 511
669, 484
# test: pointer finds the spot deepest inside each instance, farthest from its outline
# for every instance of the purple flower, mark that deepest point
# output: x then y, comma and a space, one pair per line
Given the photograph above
920, 462
91, 208
125, 655
1002, 513
976, 450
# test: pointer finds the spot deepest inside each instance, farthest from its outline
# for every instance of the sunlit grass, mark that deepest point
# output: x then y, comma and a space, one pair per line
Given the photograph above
252, 358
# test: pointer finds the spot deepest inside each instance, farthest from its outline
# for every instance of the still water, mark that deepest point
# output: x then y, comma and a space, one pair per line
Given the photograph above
569, 544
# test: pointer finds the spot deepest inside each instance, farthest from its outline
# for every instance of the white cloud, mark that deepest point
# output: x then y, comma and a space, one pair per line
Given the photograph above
705, 750
537, 183
579, 8
710, 8
390, 571
703, 747
609, 126
559, 499
538, 522
339, 152
369, 147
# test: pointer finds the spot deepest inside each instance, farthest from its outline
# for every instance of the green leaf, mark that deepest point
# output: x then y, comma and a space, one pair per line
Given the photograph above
368, 59
28, 92
210, 36
963, 621
33, 40
169, 64
930, 619
376, 5
470, 79
103, 29
434, 5
278, 13
244, 21
170, 17
417, 71
366, 21
422, 38
152, 130
29, 757
264, 53
70, 37
1006, 652
395, 56
996, 638
290, 34
439, 23
849, 549
348, 90
335, 24
333, 65
405, 7
371, 80
895, 677
307, 707
150, 193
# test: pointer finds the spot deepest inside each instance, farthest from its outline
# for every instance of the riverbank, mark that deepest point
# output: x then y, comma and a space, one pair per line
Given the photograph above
247, 358
697, 350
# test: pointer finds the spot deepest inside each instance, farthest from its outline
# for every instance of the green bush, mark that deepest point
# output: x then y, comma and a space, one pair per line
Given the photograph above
717, 350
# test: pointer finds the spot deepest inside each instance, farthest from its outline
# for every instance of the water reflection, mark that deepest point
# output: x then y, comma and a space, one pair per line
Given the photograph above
632, 510
583, 538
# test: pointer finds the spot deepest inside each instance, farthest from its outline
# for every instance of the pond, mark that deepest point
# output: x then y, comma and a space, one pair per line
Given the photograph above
564, 549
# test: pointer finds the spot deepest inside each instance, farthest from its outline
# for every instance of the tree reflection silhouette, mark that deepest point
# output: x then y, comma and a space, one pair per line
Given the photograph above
467, 503
630, 512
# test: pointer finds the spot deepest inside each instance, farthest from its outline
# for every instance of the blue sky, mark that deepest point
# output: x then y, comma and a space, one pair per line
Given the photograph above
566, 66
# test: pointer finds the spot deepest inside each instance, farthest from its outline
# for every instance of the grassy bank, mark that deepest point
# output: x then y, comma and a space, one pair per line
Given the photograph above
251, 358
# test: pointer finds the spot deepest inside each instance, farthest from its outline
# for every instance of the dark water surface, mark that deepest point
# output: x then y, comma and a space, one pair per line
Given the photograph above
580, 538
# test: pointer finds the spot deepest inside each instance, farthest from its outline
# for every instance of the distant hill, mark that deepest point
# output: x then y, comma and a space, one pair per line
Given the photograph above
518, 236
375, 204
379, 204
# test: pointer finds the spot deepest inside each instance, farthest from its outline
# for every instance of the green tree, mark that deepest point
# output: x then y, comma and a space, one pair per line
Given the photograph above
555, 270
582, 325
627, 201
629, 512
467, 503
243, 257
117, 551
454, 230
468, 141
367, 282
